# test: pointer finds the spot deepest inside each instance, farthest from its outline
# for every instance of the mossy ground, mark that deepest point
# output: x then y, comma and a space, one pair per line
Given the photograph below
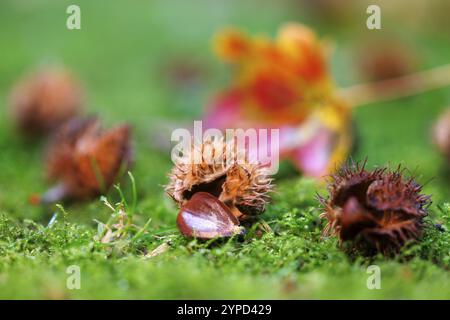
121, 55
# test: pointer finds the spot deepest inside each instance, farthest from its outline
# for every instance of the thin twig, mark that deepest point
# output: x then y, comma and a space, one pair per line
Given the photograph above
362, 94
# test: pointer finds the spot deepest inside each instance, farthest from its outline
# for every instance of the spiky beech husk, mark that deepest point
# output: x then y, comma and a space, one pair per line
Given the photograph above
379, 210
44, 100
84, 160
243, 186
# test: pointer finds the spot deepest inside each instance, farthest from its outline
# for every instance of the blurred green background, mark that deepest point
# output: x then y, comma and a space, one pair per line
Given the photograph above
150, 62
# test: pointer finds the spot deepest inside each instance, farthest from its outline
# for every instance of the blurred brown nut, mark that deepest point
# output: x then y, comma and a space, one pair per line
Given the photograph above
43, 100
441, 134
386, 59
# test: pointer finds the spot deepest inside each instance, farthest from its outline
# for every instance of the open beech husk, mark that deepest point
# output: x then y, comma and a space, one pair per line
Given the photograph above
84, 160
377, 210
242, 186
44, 100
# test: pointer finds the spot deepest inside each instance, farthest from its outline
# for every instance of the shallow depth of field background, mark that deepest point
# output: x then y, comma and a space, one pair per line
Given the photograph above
132, 59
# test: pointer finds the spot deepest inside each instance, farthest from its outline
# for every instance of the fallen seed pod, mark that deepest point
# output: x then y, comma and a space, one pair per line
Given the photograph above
44, 100
84, 160
378, 210
242, 186
206, 217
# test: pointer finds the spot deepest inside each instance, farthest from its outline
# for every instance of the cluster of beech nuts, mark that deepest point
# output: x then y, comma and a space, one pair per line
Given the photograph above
82, 159
377, 210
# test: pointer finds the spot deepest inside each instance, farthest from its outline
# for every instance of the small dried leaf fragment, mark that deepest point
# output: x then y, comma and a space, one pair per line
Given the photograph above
206, 217
44, 100
380, 210
84, 160
158, 250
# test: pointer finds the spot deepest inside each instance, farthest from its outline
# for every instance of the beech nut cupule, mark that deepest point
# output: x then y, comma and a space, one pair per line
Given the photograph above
379, 210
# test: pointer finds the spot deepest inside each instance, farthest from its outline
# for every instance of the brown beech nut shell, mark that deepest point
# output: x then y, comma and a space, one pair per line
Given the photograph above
206, 217
84, 160
243, 187
377, 210
42, 101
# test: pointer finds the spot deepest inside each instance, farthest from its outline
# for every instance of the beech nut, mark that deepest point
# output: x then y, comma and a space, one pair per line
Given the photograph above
206, 217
